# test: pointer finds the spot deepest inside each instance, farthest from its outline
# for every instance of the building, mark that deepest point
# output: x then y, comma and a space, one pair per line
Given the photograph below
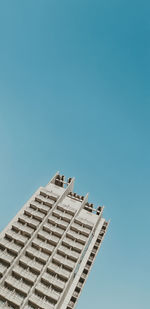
47, 250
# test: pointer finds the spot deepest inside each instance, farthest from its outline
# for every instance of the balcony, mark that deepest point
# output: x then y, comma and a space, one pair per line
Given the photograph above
83, 276
76, 245
32, 264
37, 206
4, 305
46, 247
17, 226
70, 210
78, 228
29, 220
87, 267
94, 251
90, 259
60, 214
79, 285
50, 194
61, 223
97, 244
34, 213
25, 274
10, 245
2, 269
70, 253
51, 280
20, 239
34, 253
14, 248
55, 190
55, 269
11, 296
46, 201
76, 236
70, 305
75, 294
54, 229
48, 292
39, 302
63, 261
49, 237
100, 237
6, 257
18, 285
4, 242
85, 222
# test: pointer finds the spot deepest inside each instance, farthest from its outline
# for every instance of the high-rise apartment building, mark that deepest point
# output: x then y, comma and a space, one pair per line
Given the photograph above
47, 250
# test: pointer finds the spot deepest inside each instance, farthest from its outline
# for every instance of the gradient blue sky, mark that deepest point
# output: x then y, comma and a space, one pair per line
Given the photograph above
75, 97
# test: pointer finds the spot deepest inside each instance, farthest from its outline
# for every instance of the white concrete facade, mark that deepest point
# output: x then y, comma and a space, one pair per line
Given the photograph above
48, 249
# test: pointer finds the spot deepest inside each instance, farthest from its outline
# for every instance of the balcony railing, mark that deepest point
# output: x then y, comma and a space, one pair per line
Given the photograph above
76, 236
68, 252
70, 210
60, 223
47, 201
46, 247
23, 228
63, 261
48, 292
35, 253
38, 215
76, 245
11, 296
17, 237
6, 257
32, 264
79, 228
52, 228
58, 213
38, 206
40, 302
2, 269
49, 237
19, 285
49, 279
63, 273
10, 245
25, 274
29, 220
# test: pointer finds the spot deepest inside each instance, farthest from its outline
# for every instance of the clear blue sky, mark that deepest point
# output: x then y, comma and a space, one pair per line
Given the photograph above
75, 97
